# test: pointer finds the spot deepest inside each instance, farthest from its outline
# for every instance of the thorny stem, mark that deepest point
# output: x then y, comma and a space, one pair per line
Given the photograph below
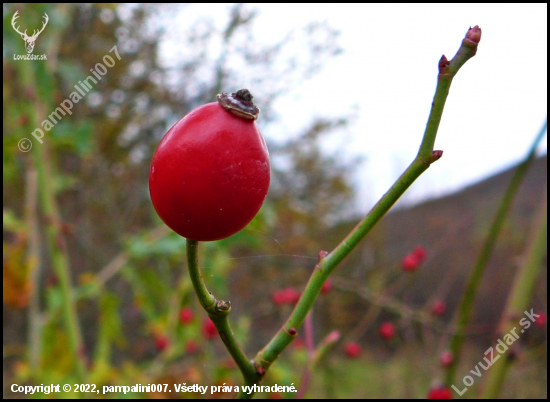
218, 311
468, 297
520, 296
426, 156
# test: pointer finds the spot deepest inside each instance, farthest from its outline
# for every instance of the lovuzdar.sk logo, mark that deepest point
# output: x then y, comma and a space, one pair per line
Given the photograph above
30, 41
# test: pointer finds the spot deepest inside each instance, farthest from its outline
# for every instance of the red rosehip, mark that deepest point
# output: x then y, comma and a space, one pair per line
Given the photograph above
191, 347
209, 329
352, 350
285, 296
161, 342
446, 359
387, 330
540, 321
440, 393
410, 262
186, 315
420, 253
210, 173
327, 286
438, 308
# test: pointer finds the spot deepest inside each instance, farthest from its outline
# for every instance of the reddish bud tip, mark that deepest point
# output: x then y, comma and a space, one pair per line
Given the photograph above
438, 308
292, 332
540, 321
443, 63
327, 286
446, 359
436, 155
186, 315
322, 254
352, 350
387, 330
440, 393
209, 329
474, 34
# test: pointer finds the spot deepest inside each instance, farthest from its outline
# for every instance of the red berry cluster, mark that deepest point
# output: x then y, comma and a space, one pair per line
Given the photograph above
414, 259
285, 296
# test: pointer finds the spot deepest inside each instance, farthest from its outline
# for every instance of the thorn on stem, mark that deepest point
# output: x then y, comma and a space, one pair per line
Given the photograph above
322, 254
292, 332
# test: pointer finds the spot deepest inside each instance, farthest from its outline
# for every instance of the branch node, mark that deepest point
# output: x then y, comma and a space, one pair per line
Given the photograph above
223, 306
260, 371
291, 332
260, 357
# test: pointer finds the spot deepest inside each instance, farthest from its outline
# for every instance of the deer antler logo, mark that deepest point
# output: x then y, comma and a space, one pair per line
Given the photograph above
29, 40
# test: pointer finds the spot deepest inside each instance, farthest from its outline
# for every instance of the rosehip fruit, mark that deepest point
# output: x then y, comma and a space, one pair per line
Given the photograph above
209, 329
387, 330
210, 173
540, 321
438, 308
161, 342
285, 296
352, 350
410, 262
440, 393
446, 359
186, 315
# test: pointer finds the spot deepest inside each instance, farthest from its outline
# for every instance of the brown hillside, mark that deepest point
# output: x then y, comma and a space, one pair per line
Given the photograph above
452, 229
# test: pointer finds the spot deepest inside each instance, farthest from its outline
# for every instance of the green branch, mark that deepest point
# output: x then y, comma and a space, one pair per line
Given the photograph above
426, 156
520, 296
218, 311
468, 298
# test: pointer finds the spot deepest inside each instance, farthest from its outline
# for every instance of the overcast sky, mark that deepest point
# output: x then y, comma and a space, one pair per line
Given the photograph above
388, 72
